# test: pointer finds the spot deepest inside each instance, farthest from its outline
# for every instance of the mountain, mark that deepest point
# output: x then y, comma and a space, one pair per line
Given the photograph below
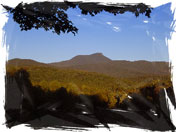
83, 60
119, 68
101, 64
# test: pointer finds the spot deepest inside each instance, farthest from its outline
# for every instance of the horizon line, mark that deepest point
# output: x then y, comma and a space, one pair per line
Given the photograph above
77, 55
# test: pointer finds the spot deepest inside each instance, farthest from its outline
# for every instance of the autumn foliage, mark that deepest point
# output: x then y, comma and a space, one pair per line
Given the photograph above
108, 89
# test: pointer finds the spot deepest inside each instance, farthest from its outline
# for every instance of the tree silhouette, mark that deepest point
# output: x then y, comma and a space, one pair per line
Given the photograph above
52, 15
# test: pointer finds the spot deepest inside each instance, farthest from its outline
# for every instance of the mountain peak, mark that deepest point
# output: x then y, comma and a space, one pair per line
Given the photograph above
90, 59
98, 53
85, 59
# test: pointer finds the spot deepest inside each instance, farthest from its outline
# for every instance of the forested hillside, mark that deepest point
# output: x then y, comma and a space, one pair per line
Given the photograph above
108, 88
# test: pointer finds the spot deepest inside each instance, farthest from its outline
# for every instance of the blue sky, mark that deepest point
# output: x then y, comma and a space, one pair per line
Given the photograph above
121, 37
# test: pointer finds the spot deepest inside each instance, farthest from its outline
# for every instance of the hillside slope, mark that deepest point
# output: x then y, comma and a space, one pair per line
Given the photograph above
118, 68
24, 62
83, 59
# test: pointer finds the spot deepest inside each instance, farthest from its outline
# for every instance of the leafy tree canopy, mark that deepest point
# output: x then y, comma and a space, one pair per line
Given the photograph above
52, 15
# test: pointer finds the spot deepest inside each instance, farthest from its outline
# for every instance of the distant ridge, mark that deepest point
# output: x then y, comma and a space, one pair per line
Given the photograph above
24, 62
83, 59
101, 64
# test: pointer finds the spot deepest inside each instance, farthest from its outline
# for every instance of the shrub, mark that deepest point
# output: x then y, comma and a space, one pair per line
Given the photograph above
73, 88
44, 85
54, 85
